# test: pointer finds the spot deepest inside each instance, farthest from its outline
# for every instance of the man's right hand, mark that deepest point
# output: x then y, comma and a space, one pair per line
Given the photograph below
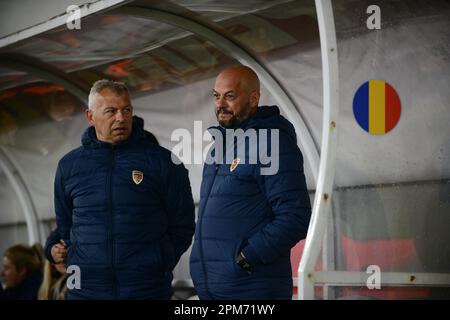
59, 252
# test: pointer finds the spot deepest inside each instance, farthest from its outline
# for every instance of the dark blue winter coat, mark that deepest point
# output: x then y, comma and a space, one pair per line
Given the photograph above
262, 215
25, 290
126, 237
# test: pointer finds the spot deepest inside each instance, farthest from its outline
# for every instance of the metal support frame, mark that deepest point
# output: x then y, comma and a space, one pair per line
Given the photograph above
23, 195
322, 200
387, 279
46, 72
235, 50
85, 10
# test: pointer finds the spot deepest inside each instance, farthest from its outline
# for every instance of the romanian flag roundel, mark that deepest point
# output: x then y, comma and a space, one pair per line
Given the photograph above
376, 107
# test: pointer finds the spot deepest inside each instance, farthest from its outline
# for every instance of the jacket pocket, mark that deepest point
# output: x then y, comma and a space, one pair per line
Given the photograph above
237, 269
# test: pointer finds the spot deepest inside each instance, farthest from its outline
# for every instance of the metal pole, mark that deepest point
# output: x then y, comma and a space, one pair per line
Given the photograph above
322, 200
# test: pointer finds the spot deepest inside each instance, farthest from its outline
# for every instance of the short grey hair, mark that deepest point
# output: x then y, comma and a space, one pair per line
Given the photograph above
115, 86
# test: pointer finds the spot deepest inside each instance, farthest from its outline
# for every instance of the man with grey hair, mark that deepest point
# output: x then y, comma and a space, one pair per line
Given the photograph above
123, 208
109, 127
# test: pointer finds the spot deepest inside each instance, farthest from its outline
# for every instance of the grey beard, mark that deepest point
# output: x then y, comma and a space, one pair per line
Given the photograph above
235, 119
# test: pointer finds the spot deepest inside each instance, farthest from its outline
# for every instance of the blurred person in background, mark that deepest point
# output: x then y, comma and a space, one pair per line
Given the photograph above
22, 273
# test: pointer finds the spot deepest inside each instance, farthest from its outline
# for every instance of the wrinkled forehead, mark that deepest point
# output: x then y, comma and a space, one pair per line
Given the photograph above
109, 98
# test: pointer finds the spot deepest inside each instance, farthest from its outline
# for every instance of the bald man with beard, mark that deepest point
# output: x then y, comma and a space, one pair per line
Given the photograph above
248, 219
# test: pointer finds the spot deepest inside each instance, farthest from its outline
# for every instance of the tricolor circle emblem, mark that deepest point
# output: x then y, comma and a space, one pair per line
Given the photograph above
376, 106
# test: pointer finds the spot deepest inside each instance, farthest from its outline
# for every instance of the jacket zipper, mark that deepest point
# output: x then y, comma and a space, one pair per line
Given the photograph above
200, 229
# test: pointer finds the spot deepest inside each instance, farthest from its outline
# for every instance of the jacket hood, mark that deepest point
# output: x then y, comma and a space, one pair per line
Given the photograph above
89, 137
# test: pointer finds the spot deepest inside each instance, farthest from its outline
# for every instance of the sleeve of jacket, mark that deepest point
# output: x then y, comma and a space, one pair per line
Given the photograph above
180, 209
287, 195
52, 239
63, 206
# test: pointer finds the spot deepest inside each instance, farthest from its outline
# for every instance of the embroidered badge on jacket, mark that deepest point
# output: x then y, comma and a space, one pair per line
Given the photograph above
137, 176
234, 164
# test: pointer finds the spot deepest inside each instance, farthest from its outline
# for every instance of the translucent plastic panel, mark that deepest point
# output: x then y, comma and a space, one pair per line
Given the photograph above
391, 203
12, 218
391, 293
11, 212
37, 123
12, 234
399, 227
101, 39
176, 63
283, 35
31, 104
10, 78
230, 6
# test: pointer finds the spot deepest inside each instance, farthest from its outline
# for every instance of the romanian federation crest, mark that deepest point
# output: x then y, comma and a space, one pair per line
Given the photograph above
137, 176
234, 164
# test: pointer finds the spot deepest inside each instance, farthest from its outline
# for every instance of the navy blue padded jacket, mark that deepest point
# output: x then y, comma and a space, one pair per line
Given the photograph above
263, 216
125, 237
